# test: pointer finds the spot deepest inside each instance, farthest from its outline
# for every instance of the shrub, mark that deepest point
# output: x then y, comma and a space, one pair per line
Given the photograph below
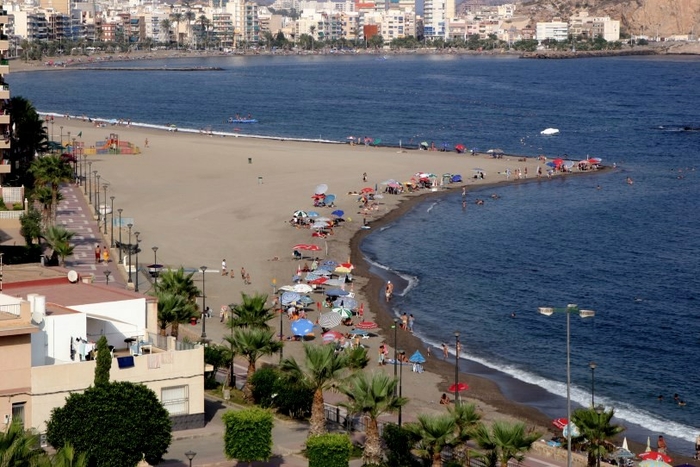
3, 207
18, 207
329, 450
272, 389
248, 435
263, 381
398, 442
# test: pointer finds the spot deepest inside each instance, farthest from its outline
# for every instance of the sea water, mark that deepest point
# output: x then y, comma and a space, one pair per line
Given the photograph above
629, 252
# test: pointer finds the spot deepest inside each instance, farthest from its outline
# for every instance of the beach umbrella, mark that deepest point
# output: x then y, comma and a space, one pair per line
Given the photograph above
459, 387
286, 288
560, 423
343, 312
331, 336
321, 272
625, 446
319, 225
655, 456
335, 282
346, 302
653, 464
342, 270
358, 332
288, 298
329, 320
550, 164
306, 247
300, 214
574, 430
568, 164
648, 448
338, 212
367, 189
336, 292
595, 160
366, 325
313, 214
321, 189
622, 454
323, 219
306, 300
417, 357
302, 288
389, 182
330, 199
302, 327
316, 281
329, 264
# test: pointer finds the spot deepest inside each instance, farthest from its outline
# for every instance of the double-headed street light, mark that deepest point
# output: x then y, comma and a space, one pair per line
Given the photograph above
592, 366
457, 348
120, 210
130, 225
111, 229
136, 273
155, 267
402, 353
569, 310
204, 304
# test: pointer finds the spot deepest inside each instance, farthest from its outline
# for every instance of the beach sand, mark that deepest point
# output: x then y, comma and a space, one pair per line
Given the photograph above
201, 199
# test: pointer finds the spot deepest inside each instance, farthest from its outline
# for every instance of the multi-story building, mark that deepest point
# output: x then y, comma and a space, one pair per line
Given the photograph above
5, 127
222, 29
59, 26
606, 28
350, 26
30, 25
557, 30
251, 27
436, 15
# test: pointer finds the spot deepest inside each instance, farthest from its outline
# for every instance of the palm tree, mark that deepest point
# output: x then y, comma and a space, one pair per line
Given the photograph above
29, 134
252, 312
204, 27
466, 420
173, 310
178, 283
252, 343
44, 196
177, 18
372, 395
505, 441
189, 16
59, 239
67, 457
166, 26
322, 369
18, 447
52, 171
357, 357
435, 433
596, 432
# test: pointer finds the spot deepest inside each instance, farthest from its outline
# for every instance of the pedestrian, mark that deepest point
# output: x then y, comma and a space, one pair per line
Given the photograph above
98, 254
427, 351
388, 290
247, 278
364, 177
464, 192
243, 274
697, 447
207, 312
411, 320
146, 142
223, 267
445, 353
404, 321
458, 349
105, 254
661, 445
381, 355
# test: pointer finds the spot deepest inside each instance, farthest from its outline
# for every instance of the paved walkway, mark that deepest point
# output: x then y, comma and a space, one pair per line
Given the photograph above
77, 215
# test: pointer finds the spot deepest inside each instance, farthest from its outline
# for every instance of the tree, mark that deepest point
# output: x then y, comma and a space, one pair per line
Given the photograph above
18, 448
505, 441
596, 432
434, 433
67, 456
189, 16
357, 357
216, 356
372, 395
166, 26
173, 310
248, 435
30, 225
28, 137
252, 312
177, 18
103, 363
466, 420
178, 283
252, 343
132, 422
52, 171
59, 239
322, 369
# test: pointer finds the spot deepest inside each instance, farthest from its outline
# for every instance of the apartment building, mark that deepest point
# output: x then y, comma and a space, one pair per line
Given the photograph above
5, 124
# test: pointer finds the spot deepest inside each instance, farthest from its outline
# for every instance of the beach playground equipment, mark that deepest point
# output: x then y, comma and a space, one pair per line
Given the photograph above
113, 145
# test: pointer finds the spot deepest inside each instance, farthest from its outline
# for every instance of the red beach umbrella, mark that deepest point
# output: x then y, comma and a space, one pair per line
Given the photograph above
366, 325
307, 247
655, 456
367, 190
560, 423
318, 281
459, 387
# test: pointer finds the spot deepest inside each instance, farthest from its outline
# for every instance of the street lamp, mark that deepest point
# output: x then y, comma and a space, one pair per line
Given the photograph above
190, 455
61, 141
592, 366
120, 234
136, 273
111, 229
456, 366
155, 263
569, 310
401, 383
83, 170
104, 212
130, 225
90, 181
281, 310
395, 326
107, 273
97, 199
204, 304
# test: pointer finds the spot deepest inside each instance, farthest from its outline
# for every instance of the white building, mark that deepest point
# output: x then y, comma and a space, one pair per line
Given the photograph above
556, 30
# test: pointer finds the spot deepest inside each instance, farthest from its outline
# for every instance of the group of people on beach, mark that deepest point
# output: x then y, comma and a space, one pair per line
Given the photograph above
244, 274
101, 255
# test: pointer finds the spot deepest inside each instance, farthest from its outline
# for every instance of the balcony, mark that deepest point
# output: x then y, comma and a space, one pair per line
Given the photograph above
4, 119
4, 91
4, 144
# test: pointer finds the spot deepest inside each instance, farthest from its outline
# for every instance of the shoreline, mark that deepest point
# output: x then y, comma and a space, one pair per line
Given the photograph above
172, 144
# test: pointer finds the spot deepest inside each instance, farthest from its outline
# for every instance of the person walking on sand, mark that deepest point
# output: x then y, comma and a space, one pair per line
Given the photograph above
247, 279
697, 448
146, 142
364, 176
105, 255
243, 274
445, 352
404, 321
411, 320
223, 267
222, 313
661, 445
380, 359
389, 290
98, 254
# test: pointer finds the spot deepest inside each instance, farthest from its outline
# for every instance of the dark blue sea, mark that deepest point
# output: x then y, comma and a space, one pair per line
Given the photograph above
629, 252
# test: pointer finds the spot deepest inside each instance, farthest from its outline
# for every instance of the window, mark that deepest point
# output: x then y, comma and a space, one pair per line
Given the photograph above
176, 399
18, 412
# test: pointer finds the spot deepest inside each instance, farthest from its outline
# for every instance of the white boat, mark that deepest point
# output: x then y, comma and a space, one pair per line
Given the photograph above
549, 131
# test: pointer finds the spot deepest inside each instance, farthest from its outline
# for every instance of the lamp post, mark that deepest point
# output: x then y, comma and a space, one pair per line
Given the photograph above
130, 225
111, 229
400, 384
569, 310
104, 186
204, 304
456, 366
83, 170
190, 455
156, 269
107, 273
599, 411
61, 141
281, 335
136, 273
89, 181
97, 199
120, 234
592, 366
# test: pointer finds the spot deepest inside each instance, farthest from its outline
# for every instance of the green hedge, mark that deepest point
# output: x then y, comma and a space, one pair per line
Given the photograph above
329, 450
248, 435
398, 442
272, 389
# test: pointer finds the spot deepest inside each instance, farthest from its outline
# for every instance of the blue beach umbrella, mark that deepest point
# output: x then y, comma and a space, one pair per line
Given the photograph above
334, 283
312, 214
346, 302
289, 298
417, 357
338, 212
329, 199
329, 263
359, 332
550, 164
302, 327
336, 292
306, 300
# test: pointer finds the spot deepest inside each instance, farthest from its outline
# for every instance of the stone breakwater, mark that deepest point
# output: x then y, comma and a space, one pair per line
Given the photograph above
552, 54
